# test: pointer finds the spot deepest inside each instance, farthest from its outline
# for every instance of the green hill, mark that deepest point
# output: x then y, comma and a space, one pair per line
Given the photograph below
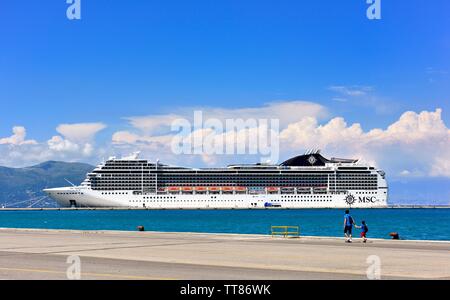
21, 187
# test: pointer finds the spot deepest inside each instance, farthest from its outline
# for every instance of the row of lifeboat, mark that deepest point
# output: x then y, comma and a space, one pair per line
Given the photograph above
204, 188
228, 189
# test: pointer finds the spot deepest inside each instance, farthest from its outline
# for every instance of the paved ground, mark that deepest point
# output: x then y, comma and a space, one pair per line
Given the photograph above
43, 254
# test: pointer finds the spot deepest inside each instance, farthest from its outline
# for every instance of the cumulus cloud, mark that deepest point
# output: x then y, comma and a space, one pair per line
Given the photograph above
421, 140
417, 144
59, 144
75, 142
18, 137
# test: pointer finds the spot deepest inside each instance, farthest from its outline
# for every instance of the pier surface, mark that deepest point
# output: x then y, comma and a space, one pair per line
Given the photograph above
43, 254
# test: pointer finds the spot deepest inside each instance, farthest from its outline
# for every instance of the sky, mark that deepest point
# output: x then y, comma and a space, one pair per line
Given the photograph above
113, 81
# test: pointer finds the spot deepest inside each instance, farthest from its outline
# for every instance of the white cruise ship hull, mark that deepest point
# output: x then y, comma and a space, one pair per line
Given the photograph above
73, 196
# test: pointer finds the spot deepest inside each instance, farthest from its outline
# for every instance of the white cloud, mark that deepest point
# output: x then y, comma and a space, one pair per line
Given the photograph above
352, 91
77, 139
418, 140
154, 123
153, 135
18, 137
286, 111
441, 164
80, 132
75, 144
59, 144
417, 143
126, 137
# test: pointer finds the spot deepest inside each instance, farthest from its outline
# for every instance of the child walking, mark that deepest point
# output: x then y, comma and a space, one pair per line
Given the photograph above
364, 229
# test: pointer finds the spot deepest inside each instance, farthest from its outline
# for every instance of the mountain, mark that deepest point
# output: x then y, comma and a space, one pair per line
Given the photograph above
22, 187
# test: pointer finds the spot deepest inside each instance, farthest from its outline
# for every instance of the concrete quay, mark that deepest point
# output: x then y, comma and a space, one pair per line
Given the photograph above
43, 254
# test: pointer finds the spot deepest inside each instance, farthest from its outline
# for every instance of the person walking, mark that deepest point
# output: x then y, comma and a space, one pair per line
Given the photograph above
364, 229
348, 226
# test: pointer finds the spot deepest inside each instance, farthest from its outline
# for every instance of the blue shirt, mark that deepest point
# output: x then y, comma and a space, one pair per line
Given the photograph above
347, 217
364, 228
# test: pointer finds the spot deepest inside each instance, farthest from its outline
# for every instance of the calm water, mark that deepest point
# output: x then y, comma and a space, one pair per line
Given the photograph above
430, 224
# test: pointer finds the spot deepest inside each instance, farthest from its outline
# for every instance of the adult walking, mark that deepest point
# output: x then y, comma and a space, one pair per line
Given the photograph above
348, 226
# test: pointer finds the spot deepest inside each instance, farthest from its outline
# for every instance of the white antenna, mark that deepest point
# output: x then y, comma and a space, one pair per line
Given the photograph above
70, 182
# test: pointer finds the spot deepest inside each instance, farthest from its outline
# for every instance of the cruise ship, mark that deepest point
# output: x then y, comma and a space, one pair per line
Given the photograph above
305, 181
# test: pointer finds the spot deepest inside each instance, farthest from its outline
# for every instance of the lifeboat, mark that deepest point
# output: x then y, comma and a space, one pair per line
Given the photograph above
200, 189
214, 189
272, 189
240, 189
287, 190
174, 188
304, 190
227, 188
187, 188
320, 189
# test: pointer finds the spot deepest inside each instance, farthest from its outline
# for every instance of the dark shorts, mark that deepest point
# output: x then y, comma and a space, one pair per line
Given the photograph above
348, 229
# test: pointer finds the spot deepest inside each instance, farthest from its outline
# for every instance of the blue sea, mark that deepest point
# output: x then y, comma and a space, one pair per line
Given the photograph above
412, 224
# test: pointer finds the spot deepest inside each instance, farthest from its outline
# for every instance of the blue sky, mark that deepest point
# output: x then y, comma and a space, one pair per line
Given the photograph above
141, 58
137, 57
